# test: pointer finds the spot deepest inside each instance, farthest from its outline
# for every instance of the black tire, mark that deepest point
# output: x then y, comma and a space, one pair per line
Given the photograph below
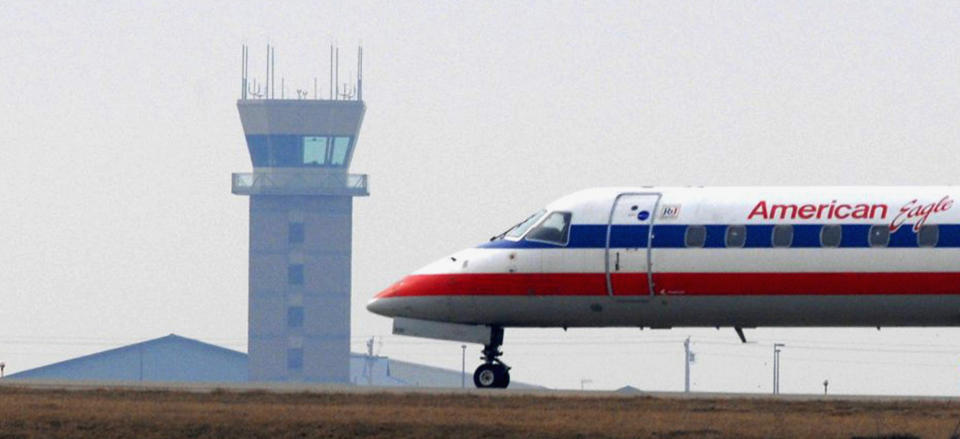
487, 376
504, 378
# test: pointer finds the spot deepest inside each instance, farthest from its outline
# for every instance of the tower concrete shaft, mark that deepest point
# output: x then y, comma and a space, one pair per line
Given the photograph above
301, 215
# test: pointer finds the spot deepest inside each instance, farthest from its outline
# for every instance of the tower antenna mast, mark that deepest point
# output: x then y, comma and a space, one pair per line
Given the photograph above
360, 73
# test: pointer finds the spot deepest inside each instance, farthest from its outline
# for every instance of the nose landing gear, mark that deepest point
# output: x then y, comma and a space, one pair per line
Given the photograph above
493, 373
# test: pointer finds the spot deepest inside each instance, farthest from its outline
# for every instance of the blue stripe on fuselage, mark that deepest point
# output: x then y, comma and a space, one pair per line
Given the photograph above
757, 236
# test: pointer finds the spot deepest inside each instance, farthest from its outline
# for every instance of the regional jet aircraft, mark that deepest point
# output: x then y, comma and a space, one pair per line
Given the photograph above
661, 257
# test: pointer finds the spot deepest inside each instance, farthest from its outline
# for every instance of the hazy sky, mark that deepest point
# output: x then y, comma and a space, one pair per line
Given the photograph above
119, 133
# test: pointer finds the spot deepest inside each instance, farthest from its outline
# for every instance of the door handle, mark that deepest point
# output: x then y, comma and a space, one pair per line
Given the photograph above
617, 263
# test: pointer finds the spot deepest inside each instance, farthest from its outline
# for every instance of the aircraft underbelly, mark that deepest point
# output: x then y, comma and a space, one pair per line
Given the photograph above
692, 311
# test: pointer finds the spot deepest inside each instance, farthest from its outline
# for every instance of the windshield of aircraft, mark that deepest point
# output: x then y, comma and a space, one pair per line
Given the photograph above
519, 229
554, 230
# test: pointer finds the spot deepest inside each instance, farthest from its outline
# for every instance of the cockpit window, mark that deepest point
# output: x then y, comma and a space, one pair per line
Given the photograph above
519, 229
555, 229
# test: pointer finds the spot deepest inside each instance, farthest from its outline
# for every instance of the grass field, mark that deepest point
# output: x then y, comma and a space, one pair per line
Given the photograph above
27, 413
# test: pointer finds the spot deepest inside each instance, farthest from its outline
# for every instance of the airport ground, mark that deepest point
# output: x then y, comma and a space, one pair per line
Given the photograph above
39, 410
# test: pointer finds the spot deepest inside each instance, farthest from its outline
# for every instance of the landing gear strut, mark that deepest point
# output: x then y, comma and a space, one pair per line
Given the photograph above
493, 373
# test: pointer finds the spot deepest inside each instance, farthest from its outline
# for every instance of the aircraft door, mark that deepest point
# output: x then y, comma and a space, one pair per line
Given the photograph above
628, 252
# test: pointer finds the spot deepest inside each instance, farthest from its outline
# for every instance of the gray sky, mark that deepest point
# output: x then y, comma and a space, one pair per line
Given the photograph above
119, 133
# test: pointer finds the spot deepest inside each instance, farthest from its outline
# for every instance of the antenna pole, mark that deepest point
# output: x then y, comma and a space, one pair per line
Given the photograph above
267, 82
337, 79
243, 76
360, 73
331, 72
273, 73
686, 365
776, 367
246, 70
463, 366
243, 72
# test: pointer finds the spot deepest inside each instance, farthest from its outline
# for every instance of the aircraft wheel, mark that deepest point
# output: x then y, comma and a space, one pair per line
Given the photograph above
491, 376
485, 377
504, 378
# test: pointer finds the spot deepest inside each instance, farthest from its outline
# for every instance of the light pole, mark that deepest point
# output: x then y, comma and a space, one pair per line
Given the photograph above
463, 366
776, 367
825, 384
686, 365
2, 365
584, 381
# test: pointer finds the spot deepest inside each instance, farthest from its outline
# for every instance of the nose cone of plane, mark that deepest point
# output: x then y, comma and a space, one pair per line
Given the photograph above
384, 302
378, 306
381, 306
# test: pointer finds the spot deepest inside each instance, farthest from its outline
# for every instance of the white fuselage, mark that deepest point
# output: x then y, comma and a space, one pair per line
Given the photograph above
727, 256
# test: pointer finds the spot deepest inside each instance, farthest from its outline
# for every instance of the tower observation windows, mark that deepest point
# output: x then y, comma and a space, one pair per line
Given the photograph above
341, 146
314, 150
293, 151
325, 151
259, 150
284, 151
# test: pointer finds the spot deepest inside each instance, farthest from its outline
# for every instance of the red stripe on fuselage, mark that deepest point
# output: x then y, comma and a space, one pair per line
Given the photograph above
691, 284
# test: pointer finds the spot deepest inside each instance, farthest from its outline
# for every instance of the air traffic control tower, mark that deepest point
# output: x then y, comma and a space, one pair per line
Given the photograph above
301, 214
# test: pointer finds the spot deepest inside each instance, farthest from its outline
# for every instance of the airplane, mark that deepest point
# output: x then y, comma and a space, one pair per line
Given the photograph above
662, 257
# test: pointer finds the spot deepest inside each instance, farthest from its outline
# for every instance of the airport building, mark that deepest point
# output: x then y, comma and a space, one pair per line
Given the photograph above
177, 359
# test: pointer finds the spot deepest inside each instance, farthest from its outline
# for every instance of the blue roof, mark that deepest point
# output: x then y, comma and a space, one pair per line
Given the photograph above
169, 358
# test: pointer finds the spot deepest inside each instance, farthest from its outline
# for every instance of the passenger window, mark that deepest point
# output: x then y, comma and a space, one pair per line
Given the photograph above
782, 235
831, 235
695, 236
879, 236
736, 236
555, 229
928, 236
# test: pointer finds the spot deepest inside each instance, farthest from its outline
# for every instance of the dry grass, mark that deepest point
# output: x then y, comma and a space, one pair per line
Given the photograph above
26, 413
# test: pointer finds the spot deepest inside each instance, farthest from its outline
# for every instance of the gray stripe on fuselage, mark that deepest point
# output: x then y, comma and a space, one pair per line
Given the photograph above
686, 311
